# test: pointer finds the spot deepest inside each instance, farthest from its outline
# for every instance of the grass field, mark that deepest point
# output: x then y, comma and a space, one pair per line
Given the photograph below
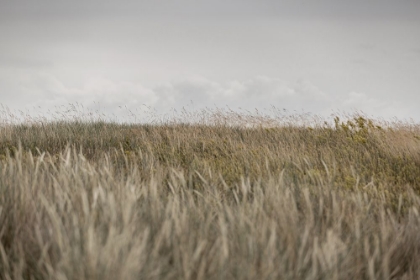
215, 199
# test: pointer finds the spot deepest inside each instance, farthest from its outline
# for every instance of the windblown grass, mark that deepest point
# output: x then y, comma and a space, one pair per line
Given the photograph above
214, 199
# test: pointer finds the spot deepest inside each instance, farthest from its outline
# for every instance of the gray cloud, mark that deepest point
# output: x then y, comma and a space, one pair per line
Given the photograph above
329, 54
23, 62
214, 8
126, 101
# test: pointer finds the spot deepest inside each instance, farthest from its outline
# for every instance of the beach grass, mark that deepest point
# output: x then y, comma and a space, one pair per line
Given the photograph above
229, 196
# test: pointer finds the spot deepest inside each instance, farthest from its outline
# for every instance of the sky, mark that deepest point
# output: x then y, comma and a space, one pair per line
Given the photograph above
319, 57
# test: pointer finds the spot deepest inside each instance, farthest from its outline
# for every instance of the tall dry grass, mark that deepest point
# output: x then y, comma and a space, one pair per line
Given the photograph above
215, 199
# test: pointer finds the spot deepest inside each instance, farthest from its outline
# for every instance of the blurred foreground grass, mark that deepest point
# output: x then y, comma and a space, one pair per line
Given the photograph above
211, 200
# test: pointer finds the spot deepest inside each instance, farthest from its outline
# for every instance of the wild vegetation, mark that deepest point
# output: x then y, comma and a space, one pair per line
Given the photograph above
230, 196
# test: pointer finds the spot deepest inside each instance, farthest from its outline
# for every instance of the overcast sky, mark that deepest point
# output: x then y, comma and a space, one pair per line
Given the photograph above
318, 56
